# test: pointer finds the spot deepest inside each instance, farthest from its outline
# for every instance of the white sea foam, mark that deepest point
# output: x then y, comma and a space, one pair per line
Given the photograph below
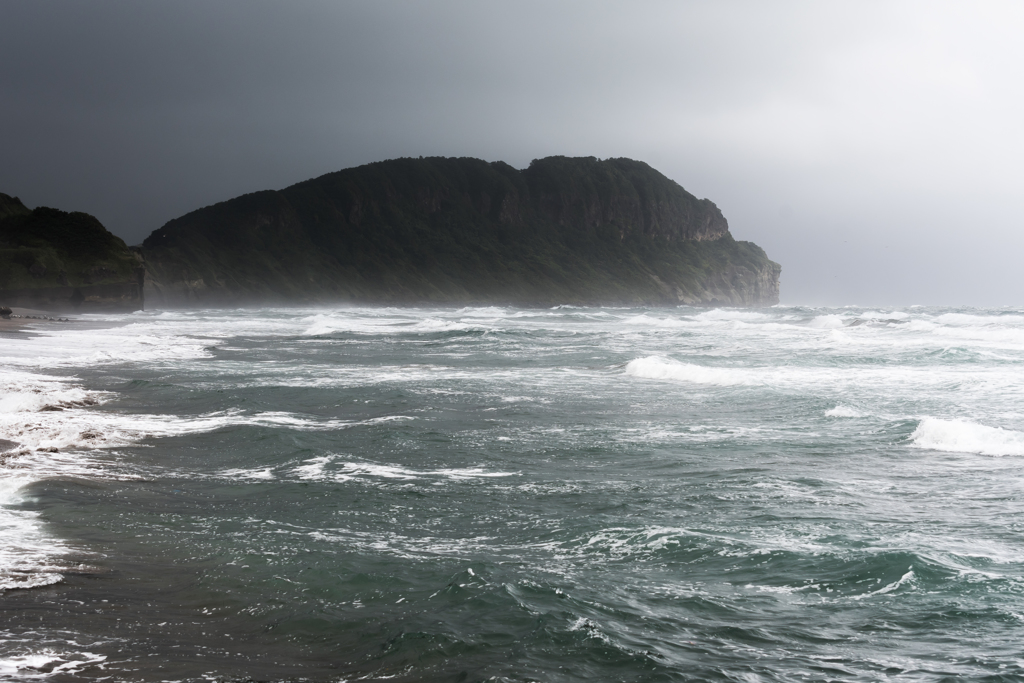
45, 664
28, 392
883, 315
785, 590
323, 325
961, 436
29, 557
590, 628
843, 411
326, 324
856, 368
441, 325
889, 588
625, 542
32, 412
346, 470
731, 314
483, 312
827, 322
656, 367
86, 429
263, 474
645, 320
967, 319
43, 413
84, 347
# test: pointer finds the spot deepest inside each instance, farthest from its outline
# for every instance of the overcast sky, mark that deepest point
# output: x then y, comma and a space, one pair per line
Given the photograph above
874, 149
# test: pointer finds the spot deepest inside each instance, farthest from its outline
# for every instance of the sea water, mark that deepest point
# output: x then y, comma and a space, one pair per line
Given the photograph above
572, 494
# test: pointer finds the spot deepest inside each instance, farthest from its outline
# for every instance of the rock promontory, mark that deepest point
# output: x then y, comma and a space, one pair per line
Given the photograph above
462, 231
58, 261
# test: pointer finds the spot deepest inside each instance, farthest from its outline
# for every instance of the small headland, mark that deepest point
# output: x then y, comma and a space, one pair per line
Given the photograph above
427, 231
54, 261
462, 231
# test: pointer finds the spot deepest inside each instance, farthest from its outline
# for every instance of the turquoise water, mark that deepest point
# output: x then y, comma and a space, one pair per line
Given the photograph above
515, 495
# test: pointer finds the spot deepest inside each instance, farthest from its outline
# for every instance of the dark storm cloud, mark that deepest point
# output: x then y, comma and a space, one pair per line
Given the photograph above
872, 148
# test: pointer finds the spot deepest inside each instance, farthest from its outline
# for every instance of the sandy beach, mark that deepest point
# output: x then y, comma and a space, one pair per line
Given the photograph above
22, 317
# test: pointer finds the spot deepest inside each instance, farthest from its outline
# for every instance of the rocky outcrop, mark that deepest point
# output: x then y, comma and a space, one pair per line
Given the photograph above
630, 195
124, 296
58, 261
444, 230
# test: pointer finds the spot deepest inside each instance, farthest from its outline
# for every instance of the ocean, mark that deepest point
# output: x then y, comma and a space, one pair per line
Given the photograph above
503, 494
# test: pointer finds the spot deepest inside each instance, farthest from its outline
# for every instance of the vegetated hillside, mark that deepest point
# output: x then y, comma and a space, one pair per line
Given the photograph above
462, 230
56, 260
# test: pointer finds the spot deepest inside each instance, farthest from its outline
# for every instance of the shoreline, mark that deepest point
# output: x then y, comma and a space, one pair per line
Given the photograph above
8, 449
21, 318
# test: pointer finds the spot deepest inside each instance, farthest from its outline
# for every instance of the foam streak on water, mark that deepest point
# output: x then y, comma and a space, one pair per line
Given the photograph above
567, 494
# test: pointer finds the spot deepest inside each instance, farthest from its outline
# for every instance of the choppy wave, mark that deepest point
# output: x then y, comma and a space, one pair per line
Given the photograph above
654, 367
889, 587
843, 411
52, 414
614, 469
31, 410
326, 324
54, 423
335, 468
962, 436
48, 663
828, 322
29, 557
732, 314
973, 320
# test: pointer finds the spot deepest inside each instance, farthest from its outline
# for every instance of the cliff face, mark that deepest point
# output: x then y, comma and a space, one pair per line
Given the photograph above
462, 230
630, 195
60, 261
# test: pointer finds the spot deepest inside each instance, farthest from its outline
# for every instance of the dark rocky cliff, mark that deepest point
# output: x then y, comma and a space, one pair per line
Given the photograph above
59, 261
447, 230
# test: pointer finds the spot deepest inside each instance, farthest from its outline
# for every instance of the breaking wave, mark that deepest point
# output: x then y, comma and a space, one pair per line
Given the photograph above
961, 436
843, 411
656, 367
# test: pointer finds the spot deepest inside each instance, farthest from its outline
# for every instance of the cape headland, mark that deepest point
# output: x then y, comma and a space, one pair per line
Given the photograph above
404, 232
58, 261
462, 231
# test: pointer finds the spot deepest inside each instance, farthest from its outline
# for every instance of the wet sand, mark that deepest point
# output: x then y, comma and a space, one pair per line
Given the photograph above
22, 317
